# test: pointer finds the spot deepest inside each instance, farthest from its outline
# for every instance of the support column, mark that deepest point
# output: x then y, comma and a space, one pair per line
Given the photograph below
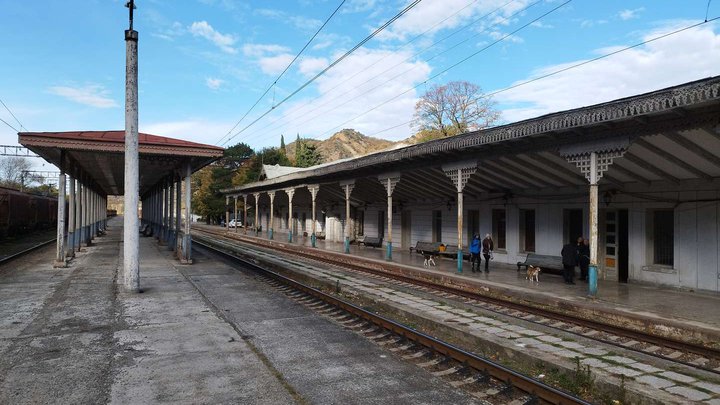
187, 237
245, 221
87, 215
313, 193
347, 188
227, 213
271, 194
171, 215
594, 160
166, 215
60, 252
236, 215
131, 236
178, 212
79, 215
389, 181
257, 208
70, 246
290, 193
460, 173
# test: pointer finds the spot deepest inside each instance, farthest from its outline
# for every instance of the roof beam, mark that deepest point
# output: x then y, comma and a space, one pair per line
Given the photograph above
494, 166
559, 167
680, 140
532, 172
647, 166
672, 158
502, 178
538, 169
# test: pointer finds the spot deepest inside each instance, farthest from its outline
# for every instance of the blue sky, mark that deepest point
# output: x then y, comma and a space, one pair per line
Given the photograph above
203, 63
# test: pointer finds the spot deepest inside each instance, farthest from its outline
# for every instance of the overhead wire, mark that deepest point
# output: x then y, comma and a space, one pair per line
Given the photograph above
338, 60
301, 107
553, 73
453, 65
284, 71
12, 127
13, 115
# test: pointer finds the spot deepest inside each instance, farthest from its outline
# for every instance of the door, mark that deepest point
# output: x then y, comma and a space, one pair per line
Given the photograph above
405, 229
381, 224
611, 241
573, 225
473, 225
622, 246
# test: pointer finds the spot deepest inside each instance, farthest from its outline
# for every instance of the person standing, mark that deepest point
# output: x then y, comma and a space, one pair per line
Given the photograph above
569, 258
487, 249
475, 252
584, 259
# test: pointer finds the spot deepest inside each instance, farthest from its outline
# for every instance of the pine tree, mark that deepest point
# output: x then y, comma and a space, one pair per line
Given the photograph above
282, 144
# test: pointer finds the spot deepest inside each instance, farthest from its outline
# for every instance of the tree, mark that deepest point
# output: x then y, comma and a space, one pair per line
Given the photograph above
11, 171
236, 155
306, 155
282, 144
454, 108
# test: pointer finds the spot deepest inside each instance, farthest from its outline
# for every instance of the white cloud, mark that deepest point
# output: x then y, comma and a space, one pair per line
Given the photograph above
213, 83
223, 41
424, 16
93, 95
311, 66
540, 24
677, 59
258, 50
340, 98
194, 130
628, 14
274, 64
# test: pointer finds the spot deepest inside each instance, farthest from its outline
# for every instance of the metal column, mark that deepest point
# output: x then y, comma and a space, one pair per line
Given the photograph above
313, 193
72, 210
187, 238
290, 193
347, 188
60, 251
271, 194
592, 269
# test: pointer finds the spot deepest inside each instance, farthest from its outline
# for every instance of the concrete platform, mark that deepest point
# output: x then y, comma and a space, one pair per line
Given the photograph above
198, 334
694, 309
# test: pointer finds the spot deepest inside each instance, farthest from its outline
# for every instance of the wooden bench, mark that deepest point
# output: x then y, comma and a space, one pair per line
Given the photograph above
372, 241
451, 251
430, 247
543, 261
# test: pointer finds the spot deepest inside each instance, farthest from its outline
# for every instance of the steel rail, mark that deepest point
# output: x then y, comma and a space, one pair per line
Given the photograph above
17, 255
520, 381
328, 257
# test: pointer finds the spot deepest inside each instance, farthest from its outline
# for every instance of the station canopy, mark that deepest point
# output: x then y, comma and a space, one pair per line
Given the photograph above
99, 156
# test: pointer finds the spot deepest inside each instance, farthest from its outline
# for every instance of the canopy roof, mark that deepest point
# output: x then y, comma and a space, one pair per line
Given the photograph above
98, 157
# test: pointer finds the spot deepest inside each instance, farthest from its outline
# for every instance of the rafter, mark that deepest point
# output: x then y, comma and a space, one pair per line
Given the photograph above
672, 158
680, 140
647, 166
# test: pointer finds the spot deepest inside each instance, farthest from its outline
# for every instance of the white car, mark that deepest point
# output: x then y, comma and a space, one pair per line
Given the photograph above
233, 224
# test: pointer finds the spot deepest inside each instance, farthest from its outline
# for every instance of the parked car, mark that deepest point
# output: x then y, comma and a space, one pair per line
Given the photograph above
234, 224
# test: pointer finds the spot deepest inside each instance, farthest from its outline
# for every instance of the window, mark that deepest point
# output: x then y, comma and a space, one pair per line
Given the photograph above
498, 228
527, 230
381, 224
437, 226
360, 222
663, 237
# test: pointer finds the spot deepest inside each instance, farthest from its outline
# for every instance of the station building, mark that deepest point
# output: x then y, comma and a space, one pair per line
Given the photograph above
658, 163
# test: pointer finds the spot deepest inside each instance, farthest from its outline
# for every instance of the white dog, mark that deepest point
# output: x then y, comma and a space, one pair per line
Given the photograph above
429, 259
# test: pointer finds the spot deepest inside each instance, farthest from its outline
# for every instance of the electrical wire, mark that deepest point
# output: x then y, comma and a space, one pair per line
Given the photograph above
13, 115
297, 110
6, 123
568, 68
286, 69
452, 66
338, 60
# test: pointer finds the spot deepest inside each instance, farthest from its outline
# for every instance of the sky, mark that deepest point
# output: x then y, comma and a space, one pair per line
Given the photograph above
204, 63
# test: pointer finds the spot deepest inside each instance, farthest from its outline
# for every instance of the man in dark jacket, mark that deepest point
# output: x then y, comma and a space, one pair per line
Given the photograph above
569, 257
584, 258
487, 249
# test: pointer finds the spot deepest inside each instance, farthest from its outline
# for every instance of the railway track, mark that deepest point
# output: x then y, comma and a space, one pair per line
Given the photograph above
688, 354
8, 258
484, 379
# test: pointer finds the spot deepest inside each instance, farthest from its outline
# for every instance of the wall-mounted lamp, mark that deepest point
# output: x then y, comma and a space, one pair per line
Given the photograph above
608, 196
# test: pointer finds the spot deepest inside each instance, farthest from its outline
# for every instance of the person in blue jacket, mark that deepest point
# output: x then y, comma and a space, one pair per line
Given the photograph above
475, 252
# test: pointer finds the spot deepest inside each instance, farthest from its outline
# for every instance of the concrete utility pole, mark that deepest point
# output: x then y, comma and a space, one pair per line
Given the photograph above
131, 235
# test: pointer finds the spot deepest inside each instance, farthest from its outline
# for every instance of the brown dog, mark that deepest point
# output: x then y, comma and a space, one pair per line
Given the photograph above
533, 272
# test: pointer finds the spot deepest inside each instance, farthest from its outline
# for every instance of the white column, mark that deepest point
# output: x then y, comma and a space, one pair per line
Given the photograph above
60, 252
131, 235
290, 193
271, 230
178, 212
389, 181
347, 189
313, 193
257, 209
235, 216
70, 246
187, 240
79, 215
227, 212
245, 222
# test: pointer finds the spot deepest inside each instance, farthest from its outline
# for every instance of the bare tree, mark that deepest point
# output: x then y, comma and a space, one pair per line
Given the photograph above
11, 171
455, 108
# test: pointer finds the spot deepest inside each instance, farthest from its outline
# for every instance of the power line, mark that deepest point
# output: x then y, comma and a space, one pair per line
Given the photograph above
398, 64
13, 115
286, 69
453, 65
6, 123
572, 67
338, 60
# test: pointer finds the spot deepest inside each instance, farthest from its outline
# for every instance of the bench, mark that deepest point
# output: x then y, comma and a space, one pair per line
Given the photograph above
543, 261
372, 241
430, 247
146, 230
451, 251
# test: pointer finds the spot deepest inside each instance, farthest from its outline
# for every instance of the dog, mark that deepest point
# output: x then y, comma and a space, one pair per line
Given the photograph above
533, 272
429, 259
